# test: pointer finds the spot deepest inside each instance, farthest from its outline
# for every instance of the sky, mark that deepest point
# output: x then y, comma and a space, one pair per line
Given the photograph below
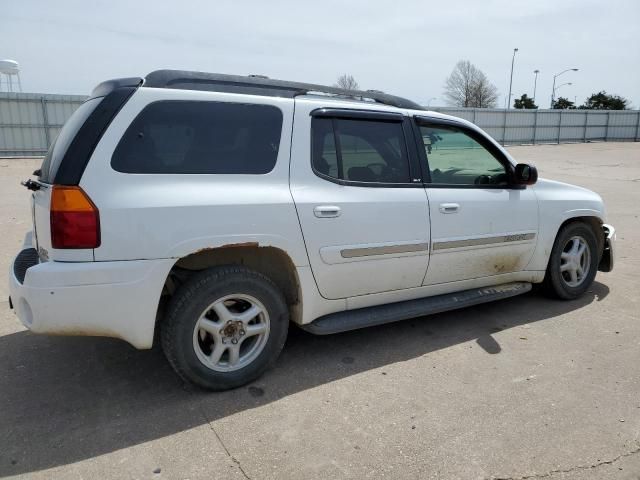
402, 47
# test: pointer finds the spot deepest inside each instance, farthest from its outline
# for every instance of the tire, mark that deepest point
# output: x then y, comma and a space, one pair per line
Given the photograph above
224, 327
563, 284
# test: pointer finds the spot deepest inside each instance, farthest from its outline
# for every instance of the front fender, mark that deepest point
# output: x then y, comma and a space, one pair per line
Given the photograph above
558, 203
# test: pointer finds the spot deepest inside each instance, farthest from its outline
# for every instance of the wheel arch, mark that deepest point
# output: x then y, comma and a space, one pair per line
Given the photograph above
595, 222
272, 262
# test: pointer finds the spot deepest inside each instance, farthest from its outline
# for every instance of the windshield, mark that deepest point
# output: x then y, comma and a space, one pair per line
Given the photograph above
59, 147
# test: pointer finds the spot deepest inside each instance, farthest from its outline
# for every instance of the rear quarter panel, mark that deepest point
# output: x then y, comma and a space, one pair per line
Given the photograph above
151, 216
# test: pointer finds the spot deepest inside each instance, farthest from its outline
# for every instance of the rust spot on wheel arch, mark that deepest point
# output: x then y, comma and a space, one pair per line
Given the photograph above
242, 244
228, 245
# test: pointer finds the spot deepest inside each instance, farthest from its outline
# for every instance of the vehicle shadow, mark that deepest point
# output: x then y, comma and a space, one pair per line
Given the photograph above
66, 399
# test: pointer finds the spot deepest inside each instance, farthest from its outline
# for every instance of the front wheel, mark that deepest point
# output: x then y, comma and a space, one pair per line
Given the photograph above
224, 327
573, 263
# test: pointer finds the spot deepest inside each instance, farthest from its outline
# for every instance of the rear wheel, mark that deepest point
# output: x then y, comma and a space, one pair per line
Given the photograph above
573, 263
224, 327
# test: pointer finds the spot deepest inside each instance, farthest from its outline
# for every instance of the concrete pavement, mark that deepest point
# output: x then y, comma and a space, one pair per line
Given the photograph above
522, 388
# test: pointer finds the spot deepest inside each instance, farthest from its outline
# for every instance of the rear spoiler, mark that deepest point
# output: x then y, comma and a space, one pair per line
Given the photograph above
105, 88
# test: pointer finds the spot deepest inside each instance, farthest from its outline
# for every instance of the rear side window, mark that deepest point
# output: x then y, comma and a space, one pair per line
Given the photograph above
201, 138
354, 150
59, 148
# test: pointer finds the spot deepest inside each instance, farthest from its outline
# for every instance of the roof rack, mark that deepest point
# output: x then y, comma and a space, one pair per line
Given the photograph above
259, 85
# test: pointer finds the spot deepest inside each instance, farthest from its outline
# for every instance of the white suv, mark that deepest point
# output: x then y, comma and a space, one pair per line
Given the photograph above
215, 209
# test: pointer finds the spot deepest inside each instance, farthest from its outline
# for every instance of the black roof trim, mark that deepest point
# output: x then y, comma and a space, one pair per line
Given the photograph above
357, 114
253, 85
109, 86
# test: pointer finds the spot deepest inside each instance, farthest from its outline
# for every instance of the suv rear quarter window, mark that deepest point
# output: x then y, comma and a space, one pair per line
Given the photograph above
200, 138
59, 148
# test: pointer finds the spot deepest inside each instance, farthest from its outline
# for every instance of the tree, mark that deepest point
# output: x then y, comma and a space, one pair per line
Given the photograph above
562, 103
347, 82
485, 94
602, 101
468, 86
524, 102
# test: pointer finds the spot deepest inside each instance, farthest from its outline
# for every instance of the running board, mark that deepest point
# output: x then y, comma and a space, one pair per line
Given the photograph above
393, 312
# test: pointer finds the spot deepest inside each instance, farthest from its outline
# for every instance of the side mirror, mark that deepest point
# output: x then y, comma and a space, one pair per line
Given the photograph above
526, 174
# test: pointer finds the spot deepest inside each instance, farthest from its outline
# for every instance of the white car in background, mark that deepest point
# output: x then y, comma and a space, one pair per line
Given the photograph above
217, 209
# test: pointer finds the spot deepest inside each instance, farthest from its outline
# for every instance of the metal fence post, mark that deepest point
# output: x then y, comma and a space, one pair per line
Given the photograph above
45, 121
559, 127
637, 125
474, 117
504, 129
606, 128
586, 123
535, 126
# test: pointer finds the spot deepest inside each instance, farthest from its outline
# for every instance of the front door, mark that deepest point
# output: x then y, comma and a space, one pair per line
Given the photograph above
364, 216
481, 224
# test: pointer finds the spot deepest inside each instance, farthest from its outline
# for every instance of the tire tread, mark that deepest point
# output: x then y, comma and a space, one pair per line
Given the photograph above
189, 292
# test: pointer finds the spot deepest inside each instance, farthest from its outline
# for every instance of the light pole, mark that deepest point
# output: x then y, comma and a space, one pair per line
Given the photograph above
535, 83
511, 79
429, 101
553, 89
558, 87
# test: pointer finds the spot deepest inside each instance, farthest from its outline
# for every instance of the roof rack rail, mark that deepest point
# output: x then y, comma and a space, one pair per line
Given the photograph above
257, 85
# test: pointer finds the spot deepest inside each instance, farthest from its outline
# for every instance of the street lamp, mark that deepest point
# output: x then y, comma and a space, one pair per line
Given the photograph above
562, 85
553, 89
535, 83
558, 87
511, 79
429, 101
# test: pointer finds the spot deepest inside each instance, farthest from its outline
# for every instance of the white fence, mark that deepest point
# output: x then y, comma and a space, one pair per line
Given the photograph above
29, 122
511, 127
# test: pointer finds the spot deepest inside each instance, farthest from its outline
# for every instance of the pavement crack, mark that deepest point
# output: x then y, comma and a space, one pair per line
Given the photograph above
572, 469
233, 459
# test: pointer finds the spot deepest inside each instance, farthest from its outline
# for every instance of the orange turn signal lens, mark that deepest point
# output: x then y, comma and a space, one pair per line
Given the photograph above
75, 220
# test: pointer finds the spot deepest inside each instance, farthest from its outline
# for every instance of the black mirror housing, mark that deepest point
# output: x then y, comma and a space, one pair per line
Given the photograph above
525, 174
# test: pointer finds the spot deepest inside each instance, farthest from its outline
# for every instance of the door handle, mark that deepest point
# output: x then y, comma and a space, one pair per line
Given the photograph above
449, 208
326, 211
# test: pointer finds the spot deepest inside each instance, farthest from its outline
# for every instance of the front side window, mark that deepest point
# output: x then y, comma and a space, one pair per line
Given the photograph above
455, 158
360, 150
199, 138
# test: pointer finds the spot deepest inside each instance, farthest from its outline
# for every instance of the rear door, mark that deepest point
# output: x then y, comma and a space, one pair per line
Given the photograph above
362, 209
481, 224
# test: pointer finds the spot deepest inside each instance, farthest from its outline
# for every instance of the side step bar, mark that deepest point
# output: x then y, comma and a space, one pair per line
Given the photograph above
393, 312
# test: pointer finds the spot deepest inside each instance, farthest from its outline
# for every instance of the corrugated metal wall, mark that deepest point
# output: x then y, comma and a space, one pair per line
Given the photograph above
511, 127
29, 122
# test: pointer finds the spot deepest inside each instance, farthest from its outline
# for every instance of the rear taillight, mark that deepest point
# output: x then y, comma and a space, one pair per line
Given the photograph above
75, 221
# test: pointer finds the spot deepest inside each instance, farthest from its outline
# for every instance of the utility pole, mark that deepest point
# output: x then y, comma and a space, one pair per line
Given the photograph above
511, 79
535, 83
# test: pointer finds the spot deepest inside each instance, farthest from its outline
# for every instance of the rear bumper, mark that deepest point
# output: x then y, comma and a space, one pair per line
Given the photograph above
608, 253
111, 299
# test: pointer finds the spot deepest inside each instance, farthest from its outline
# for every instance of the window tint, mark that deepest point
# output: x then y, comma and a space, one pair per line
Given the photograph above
456, 158
52, 160
368, 151
201, 137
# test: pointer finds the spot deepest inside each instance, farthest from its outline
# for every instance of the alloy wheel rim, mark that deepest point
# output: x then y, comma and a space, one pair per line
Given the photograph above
575, 261
231, 332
